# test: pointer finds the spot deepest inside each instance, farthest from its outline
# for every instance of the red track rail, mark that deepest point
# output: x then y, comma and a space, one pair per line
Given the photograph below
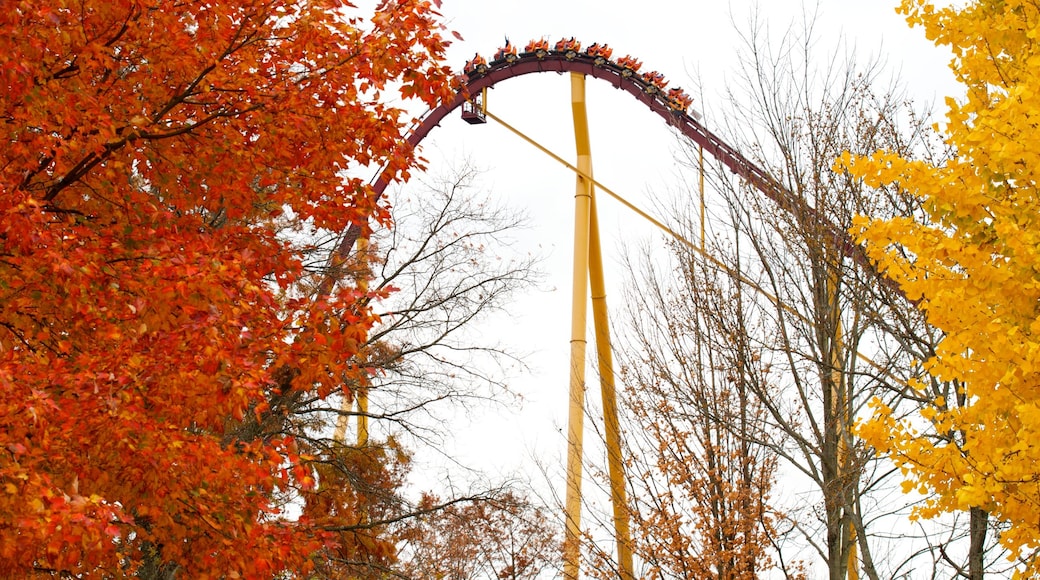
656, 99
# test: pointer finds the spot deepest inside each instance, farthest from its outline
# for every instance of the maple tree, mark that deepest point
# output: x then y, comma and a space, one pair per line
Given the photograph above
153, 326
969, 259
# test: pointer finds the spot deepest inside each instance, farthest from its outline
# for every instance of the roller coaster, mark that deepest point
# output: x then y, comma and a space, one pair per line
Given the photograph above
673, 105
650, 88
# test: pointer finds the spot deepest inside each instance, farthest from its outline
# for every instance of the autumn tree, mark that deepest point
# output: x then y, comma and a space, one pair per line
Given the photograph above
152, 318
450, 263
970, 260
806, 330
501, 538
703, 476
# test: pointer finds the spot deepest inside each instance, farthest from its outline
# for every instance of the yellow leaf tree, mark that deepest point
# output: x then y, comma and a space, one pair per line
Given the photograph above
972, 261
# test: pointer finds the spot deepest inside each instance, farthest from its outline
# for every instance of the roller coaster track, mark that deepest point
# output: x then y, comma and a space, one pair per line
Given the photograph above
656, 98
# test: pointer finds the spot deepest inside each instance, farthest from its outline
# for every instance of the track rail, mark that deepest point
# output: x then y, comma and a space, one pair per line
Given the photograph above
655, 97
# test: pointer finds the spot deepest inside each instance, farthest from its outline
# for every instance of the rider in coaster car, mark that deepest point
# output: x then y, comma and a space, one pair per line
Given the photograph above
472, 65
678, 99
565, 44
505, 51
597, 50
629, 63
655, 78
536, 45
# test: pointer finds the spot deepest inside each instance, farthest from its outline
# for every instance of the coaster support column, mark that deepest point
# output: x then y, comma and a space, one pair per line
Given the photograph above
579, 305
608, 393
588, 271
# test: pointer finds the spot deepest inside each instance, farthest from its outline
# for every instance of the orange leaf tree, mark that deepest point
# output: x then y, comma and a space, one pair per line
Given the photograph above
504, 536
150, 306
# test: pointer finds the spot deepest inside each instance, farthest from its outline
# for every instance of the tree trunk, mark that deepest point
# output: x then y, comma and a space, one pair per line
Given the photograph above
979, 518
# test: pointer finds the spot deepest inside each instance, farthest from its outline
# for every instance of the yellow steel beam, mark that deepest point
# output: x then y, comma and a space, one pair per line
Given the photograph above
579, 304
608, 393
362, 420
362, 391
840, 410
340, 433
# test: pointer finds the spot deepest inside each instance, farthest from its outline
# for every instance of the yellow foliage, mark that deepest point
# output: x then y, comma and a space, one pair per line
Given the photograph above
974, 264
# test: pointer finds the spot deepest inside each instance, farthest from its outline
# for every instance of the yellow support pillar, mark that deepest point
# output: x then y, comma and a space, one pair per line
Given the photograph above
579, 305
841, 409
362, 391
588, 271
362, 420
608, 392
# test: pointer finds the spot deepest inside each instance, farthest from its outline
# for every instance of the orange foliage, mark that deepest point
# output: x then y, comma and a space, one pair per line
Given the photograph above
713, 519
506, 537
356, 491
147, 299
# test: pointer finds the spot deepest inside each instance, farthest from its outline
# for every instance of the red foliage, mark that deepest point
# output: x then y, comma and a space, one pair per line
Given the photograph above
148, 304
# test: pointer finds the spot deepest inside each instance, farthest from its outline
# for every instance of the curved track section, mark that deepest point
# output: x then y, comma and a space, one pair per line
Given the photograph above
622, 74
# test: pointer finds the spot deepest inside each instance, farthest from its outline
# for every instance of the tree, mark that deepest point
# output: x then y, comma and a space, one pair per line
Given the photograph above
152, 317
504, 538
970, 260
450, 262
357, 500
704, 498
798, 302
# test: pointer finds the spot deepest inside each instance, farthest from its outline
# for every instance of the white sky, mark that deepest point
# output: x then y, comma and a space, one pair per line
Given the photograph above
633, 153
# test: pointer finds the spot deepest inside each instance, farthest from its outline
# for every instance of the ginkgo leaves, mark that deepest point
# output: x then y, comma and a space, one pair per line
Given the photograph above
972, 261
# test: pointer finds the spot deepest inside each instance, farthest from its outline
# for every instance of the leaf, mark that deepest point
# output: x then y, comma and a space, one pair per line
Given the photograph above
972, 259
152, 308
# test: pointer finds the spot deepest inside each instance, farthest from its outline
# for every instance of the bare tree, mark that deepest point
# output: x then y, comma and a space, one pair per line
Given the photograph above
444, 264
448, 263
703, 470
776, 307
